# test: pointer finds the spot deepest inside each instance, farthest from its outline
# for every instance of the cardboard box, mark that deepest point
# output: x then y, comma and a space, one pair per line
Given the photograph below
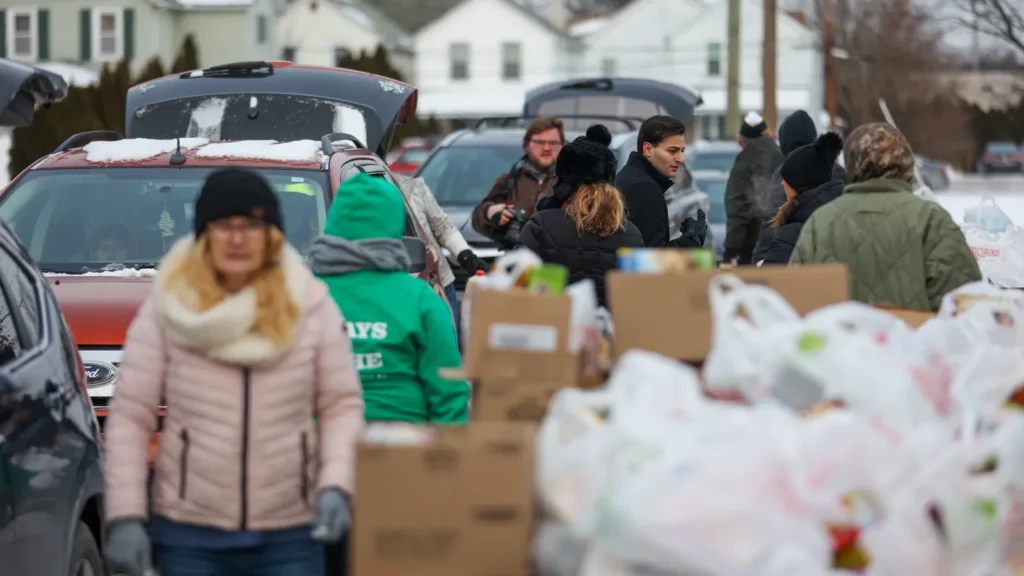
671, 314
515, 321
518, 354
516, 385
461, 505
913, 318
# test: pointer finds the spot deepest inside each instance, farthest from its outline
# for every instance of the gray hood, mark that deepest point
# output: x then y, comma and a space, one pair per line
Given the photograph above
331, 255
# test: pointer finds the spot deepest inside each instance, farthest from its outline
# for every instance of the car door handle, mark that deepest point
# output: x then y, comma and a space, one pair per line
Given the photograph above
55, 401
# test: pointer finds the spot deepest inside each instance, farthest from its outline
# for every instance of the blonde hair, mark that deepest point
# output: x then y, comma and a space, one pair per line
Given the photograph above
597, 209
276, 312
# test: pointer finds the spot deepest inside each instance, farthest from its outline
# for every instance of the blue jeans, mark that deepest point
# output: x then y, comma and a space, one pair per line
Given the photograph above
453, 299
303, 557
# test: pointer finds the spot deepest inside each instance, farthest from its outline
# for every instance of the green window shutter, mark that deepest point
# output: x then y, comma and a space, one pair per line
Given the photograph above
43, 27
3, 33
85, 35
129, 34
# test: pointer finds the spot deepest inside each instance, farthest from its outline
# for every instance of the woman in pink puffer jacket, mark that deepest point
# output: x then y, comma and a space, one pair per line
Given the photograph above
244, 347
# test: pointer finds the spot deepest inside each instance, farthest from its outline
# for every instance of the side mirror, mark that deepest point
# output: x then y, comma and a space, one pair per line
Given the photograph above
417, 250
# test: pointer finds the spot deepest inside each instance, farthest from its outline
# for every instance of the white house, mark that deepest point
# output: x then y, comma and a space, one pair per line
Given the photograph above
686, 41
318, 32
482, 56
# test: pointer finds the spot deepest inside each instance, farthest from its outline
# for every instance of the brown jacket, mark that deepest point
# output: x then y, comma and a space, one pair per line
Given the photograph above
240, 449
528, 190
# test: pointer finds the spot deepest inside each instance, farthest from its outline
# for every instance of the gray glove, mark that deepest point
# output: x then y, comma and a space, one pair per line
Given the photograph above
128, 549
333, 518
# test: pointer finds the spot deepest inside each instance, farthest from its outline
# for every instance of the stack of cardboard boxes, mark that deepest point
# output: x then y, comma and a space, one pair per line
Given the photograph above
463, 504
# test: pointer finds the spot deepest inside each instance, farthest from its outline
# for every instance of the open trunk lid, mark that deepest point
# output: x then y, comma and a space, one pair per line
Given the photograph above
269, 101
23, 89
619, 97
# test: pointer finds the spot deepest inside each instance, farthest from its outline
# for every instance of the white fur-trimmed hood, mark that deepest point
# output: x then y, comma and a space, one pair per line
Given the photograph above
225, 332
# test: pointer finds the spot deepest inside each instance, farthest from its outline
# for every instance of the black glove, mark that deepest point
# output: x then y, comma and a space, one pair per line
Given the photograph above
693, 231
471, 263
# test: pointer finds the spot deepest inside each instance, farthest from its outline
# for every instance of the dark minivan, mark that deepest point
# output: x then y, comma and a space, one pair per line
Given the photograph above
51, 475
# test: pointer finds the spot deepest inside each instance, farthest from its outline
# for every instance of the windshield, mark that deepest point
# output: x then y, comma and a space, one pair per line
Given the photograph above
718, 161
88, 219
1002, 147
281, 117
715, 189
414, 156
462, 175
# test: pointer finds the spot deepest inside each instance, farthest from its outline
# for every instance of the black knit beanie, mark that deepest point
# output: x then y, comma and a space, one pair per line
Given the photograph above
236, 192
753, 126
811, 165
585, 160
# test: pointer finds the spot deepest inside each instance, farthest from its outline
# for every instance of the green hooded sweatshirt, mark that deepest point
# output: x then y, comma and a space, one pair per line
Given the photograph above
402, 332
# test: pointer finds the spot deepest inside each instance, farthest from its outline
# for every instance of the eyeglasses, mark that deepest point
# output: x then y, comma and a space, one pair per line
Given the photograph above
227, 227
547, 143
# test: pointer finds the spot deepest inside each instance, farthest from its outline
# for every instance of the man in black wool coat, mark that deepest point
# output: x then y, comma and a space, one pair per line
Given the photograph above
648, 173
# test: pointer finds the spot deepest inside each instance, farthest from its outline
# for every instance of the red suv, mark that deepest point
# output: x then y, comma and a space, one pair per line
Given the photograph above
99, 213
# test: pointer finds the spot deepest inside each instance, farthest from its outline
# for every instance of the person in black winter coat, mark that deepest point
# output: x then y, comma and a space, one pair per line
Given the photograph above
748, 181
797, 130
807, 177
583, 223
648, 173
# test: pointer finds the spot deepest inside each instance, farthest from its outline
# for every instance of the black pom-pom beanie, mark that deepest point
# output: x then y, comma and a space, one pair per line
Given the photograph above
811, 165
236, 192
585, 160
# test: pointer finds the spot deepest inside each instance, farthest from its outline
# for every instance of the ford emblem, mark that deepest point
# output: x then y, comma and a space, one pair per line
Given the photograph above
99, 373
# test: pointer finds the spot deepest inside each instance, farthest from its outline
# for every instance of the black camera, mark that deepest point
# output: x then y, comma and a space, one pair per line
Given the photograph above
510, 235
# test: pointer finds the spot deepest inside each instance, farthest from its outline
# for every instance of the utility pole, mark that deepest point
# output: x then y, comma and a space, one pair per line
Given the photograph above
732, 115
769, 58
830, 78
975, 36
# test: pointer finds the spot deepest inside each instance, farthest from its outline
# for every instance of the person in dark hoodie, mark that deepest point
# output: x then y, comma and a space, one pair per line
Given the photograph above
583, 223
748, 181
809, 182
647, 175
796, 131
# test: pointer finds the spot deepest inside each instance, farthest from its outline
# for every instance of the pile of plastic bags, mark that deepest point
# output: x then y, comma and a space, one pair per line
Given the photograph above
860, 446
997, 243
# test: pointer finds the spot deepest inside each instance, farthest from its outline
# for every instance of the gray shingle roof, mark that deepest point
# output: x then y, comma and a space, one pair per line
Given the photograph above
412, 15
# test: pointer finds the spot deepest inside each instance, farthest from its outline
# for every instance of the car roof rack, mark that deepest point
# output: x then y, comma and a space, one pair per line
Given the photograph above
92, 136
234, 70
631, 122
327, 141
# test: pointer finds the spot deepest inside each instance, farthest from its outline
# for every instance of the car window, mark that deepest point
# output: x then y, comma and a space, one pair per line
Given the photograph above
21, 297
81, 220
10, 342
1002, 147
463, 175
717, 161
715, 189
414, 156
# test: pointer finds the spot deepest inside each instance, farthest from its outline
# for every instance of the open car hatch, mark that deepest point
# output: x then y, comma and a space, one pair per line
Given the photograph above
621, 97
24, 89
269, 101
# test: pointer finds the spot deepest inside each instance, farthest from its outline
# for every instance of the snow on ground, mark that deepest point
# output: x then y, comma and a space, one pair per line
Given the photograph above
298, 151
135, 149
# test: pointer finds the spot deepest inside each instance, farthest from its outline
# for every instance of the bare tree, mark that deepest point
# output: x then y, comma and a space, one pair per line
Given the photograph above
892, 50
1000, 19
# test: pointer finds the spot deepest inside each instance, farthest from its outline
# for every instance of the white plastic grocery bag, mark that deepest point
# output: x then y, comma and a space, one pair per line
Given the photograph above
746, 321
646, 387
1000, 255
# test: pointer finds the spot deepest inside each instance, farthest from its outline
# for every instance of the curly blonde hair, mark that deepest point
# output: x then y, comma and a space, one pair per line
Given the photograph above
276, 312
597, 209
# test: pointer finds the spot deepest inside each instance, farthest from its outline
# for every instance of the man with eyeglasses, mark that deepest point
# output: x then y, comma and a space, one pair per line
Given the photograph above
530, 179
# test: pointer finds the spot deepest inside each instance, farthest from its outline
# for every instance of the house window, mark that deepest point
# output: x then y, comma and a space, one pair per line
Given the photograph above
609, 67
261, 29
21, 33
712, 127
288, 54
511, 58
714, 59
459, 56
108, 30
